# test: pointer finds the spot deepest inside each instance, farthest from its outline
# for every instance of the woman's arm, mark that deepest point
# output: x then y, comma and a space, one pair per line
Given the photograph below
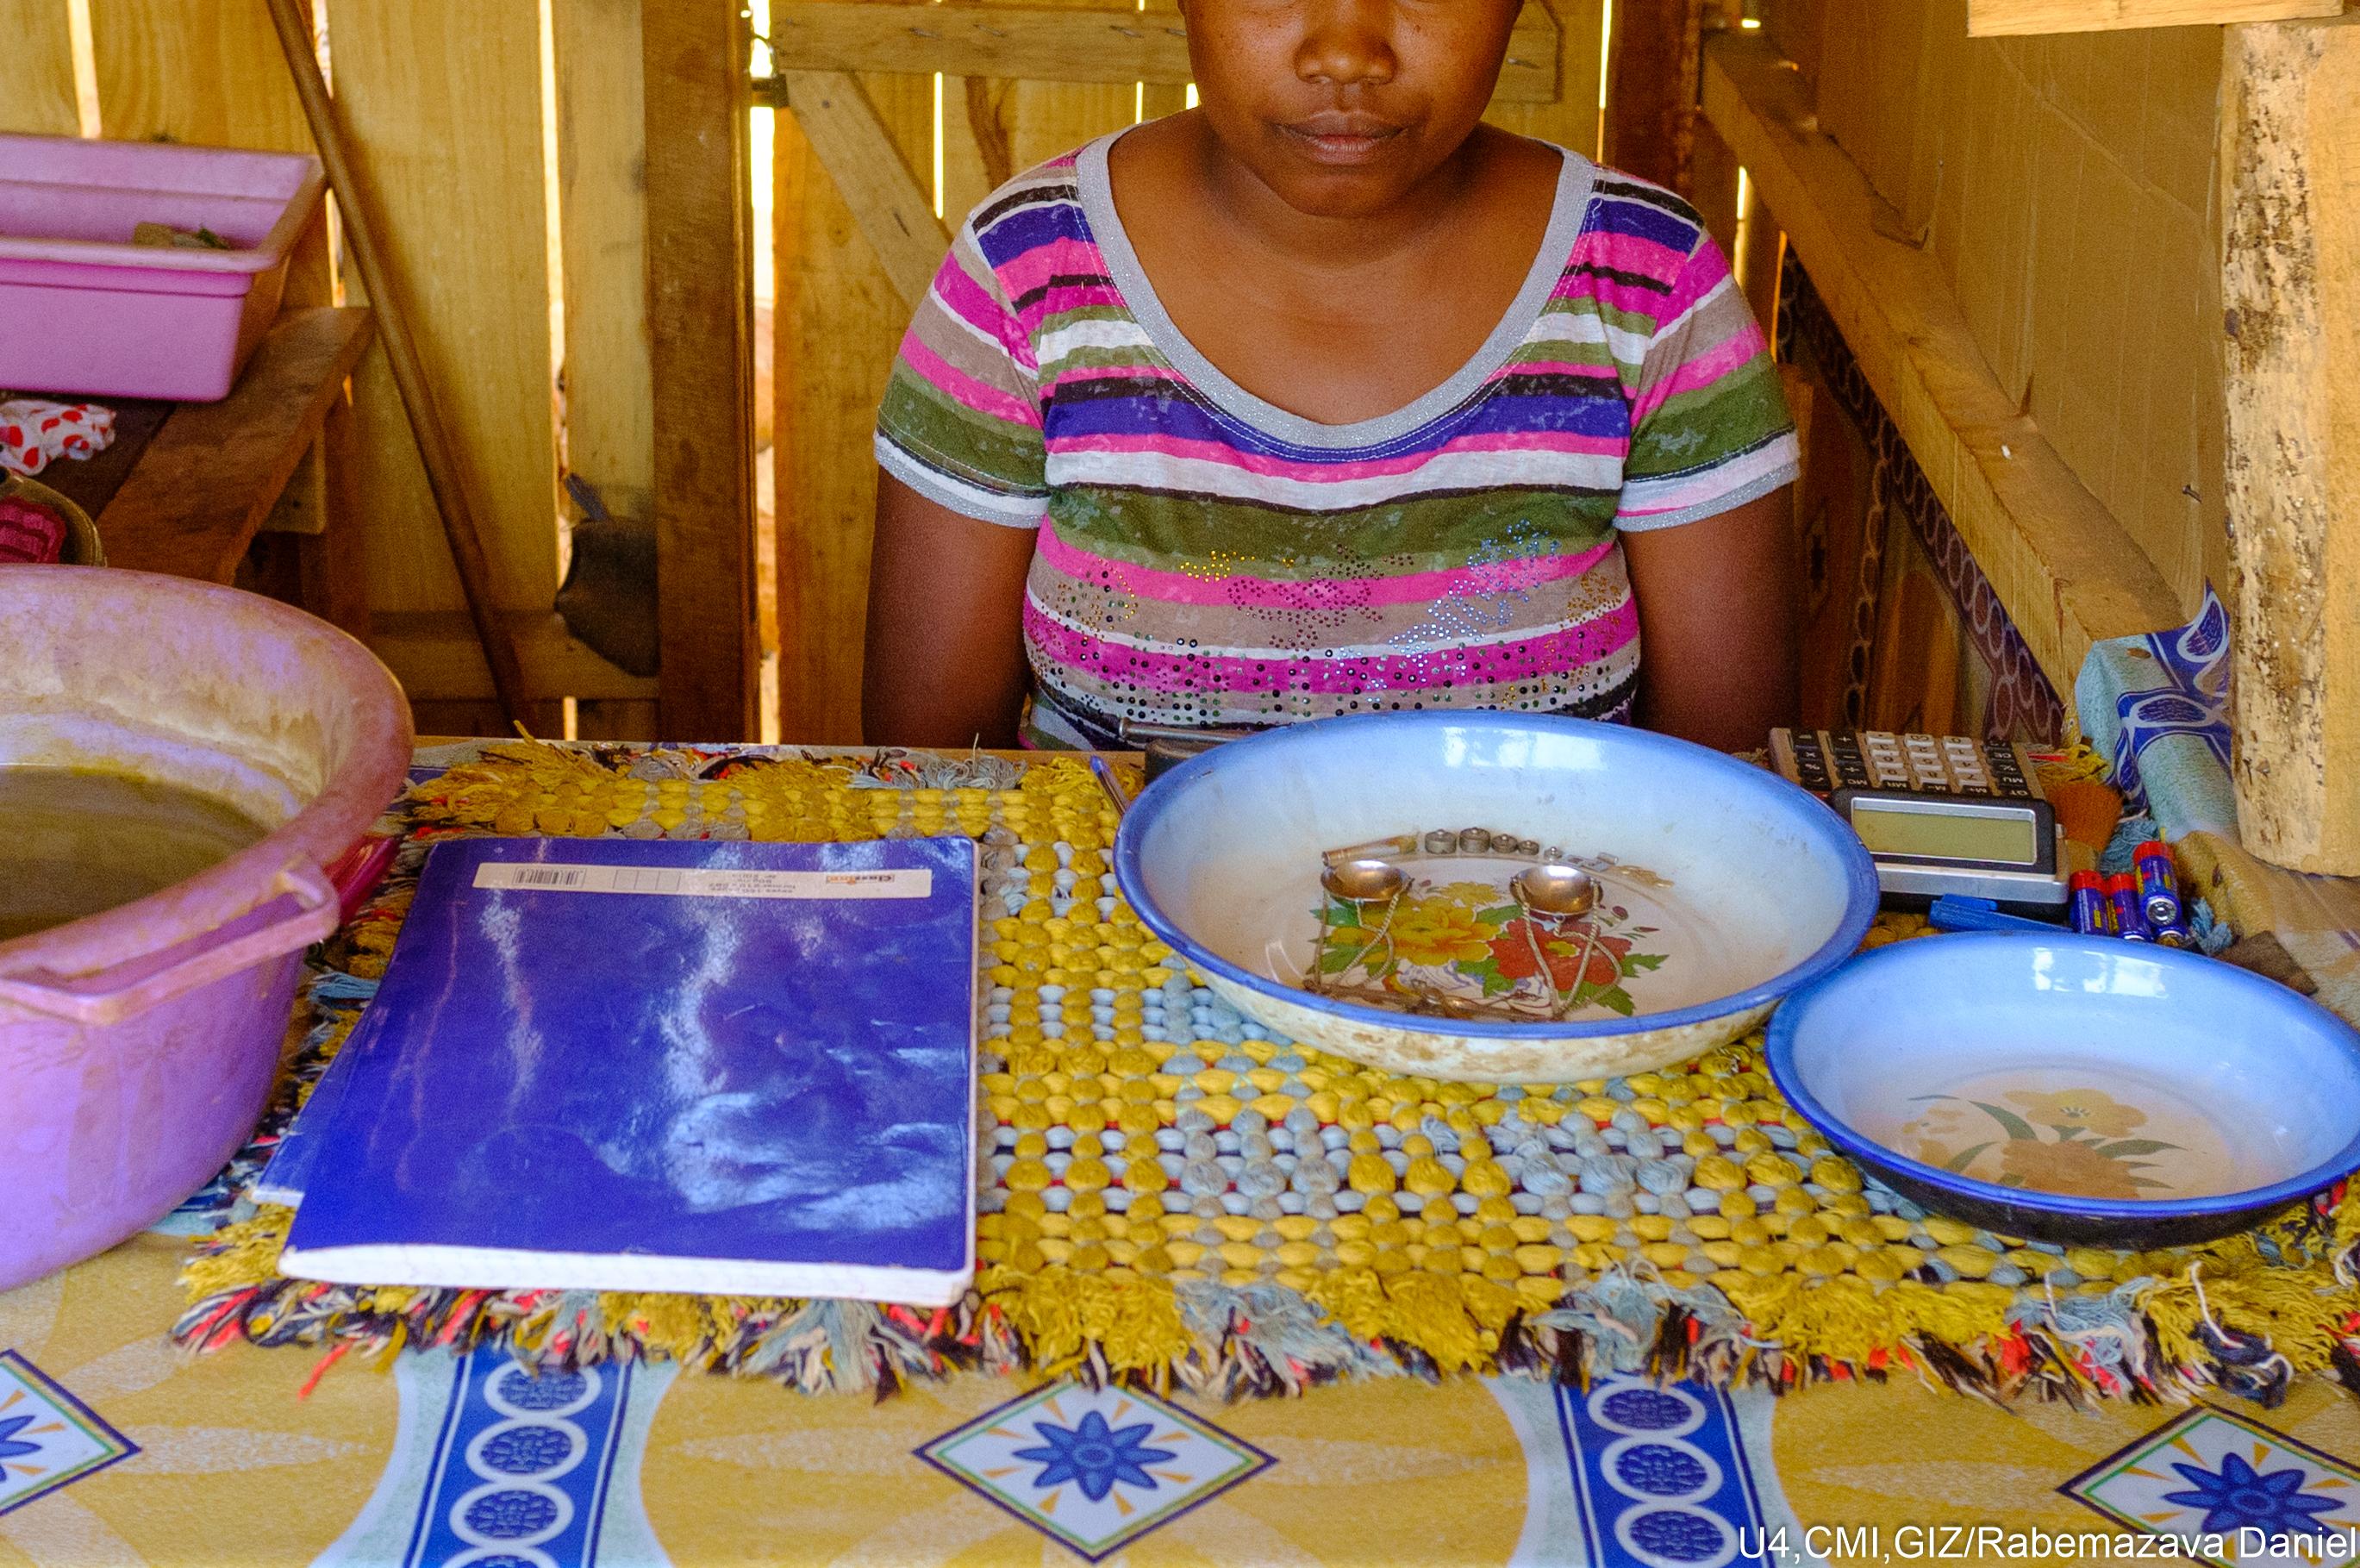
946, 647
1717, 662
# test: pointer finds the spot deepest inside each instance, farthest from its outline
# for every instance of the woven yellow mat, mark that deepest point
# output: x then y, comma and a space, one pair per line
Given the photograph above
1173, 1193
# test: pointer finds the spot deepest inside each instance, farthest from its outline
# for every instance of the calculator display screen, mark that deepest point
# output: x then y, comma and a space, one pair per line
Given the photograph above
2007, 838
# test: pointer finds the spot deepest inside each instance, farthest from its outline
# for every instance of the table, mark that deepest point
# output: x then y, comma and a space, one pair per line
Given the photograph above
191, 489
137, 1456
235, 1464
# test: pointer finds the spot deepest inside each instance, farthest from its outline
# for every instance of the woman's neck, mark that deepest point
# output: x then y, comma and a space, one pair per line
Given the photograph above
1234, 194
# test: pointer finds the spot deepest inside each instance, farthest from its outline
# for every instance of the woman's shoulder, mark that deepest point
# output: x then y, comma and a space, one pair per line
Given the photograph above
1040, 204
1618, 198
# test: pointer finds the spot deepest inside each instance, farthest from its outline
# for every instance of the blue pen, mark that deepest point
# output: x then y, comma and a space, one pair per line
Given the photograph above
1956, 912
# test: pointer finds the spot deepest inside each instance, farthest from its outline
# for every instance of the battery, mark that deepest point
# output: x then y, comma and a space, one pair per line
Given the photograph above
2159, 887
2174, 936
2087, 906
2130, 917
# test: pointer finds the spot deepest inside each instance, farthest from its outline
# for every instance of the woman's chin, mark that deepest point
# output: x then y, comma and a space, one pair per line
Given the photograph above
1319, 184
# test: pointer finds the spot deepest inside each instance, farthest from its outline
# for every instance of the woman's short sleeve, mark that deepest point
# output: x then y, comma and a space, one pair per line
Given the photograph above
1709, 428
961, 422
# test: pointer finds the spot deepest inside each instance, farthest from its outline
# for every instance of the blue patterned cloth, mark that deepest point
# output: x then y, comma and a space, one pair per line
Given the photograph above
2156, 708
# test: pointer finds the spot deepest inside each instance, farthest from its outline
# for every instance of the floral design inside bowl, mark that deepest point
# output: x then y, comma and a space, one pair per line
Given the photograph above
1719, 887
2075, 1088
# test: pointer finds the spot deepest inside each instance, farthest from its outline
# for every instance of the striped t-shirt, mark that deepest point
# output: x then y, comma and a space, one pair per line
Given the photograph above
1207, 559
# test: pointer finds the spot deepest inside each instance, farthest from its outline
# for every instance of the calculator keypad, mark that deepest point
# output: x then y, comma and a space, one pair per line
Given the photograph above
1828, 761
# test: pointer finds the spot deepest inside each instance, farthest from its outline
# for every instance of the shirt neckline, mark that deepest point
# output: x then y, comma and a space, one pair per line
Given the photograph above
1576, 178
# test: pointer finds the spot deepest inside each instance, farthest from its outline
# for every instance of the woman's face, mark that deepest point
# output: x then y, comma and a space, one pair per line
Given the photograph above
1340, 107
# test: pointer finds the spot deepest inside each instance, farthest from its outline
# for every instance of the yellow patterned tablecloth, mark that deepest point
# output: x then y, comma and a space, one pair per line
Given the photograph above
227, 1461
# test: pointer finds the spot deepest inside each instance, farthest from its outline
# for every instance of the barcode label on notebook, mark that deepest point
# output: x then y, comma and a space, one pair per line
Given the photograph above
680, 882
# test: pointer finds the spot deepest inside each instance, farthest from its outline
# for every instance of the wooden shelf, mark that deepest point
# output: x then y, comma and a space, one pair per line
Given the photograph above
199, 491
1990, 18
2066, 570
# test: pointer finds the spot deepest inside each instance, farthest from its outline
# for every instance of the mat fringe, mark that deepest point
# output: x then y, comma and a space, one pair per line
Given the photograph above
2239, 1322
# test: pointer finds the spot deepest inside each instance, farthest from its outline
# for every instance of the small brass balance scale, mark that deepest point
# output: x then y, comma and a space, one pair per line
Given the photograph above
1553, 896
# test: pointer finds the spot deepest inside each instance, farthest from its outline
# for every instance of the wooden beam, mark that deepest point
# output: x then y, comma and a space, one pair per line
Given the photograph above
435, 656
1994, 18
1044, 44
701, 315
207, 483
895, 212
2062, 565
2290, 290
1651, 89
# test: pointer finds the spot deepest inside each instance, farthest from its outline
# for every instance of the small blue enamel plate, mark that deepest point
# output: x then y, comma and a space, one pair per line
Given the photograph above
2082, 1090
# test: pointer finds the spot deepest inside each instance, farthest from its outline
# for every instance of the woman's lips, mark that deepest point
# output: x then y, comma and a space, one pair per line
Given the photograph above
1341, 138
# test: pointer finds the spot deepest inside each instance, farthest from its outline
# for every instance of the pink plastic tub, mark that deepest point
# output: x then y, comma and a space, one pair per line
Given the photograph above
137, 1046
82, 310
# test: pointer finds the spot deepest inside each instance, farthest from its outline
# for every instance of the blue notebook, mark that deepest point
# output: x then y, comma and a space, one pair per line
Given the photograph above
731, 1068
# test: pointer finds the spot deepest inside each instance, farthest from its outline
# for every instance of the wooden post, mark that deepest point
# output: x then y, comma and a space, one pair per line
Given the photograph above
1651, 89
2290, 288
700, 316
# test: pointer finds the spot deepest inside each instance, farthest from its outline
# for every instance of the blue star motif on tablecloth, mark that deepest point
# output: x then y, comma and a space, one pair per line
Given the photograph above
1094, 1455
2237, 1497
11, 1449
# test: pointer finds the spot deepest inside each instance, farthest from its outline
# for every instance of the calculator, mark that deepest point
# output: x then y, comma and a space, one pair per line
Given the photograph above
1940, 814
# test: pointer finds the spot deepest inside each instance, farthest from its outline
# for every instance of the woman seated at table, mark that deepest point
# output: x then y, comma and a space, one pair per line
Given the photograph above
1326, 398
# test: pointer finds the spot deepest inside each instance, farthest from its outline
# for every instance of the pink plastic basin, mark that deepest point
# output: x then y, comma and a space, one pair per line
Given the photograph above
137, 1046
84, 311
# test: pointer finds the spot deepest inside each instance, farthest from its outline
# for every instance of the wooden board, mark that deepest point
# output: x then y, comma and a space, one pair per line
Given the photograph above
1986, 19
1571, 118
212, 75
700, 314
36, 69
1086, 43
840, 317
441, 104
616, 718
205, 484
856, 150
2290, 184
1652, 92
2064, 568
435, 656
608, 382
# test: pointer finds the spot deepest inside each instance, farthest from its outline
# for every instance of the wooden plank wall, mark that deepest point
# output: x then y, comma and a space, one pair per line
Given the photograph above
840, 318
2067, 183
444, 103
36, 69
607, 381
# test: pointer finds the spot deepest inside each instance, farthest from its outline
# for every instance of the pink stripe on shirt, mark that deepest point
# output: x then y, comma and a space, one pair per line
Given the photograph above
1523, 660
949, 378
1319, 593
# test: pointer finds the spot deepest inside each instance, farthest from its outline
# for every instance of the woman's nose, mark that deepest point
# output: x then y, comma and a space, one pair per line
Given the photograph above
1346, 43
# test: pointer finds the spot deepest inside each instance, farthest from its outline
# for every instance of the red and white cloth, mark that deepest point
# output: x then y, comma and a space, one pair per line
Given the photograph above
34, 434
29, 534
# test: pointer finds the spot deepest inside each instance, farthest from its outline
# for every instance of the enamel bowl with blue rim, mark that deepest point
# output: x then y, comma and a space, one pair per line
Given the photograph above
1493, 897
2070, 1089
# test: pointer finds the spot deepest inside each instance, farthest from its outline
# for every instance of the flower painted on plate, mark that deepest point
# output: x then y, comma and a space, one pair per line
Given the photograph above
2237, 1497
2070, 1166
1094, 1456
2084, 1109
10, 1448
1435, 932
1512, 949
